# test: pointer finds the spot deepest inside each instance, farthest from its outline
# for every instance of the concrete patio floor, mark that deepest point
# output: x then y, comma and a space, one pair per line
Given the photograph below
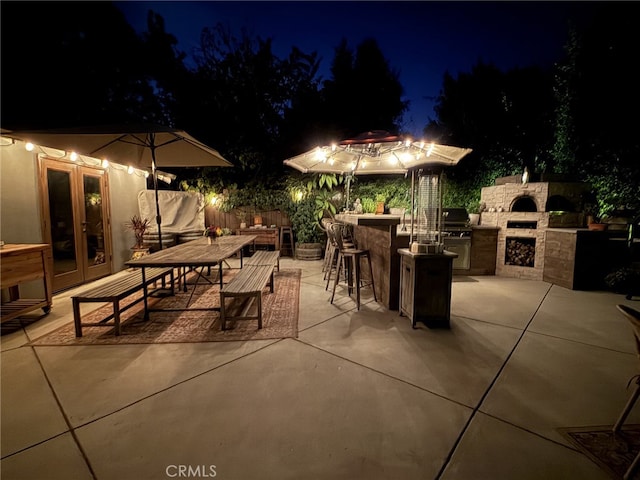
358, 395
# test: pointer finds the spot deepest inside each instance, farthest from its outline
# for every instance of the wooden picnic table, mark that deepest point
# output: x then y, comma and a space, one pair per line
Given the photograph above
196, 253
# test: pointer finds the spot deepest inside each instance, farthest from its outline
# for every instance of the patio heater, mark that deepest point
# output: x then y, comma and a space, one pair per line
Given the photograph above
426, 269
428, 213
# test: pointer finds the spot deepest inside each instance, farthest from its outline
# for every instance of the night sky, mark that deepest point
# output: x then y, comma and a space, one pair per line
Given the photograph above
421, 40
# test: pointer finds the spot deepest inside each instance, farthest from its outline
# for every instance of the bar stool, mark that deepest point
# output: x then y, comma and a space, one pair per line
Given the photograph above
286, 230
331, 251
350, 259
325, 223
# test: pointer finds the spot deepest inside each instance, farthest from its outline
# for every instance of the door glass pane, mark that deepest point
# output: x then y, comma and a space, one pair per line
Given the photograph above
94, 221
61, 212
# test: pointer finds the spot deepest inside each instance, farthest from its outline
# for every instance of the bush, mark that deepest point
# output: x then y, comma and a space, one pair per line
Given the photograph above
303, 220
625, 280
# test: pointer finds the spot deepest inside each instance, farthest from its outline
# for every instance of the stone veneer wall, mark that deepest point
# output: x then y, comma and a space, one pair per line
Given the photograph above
500, 219
502, 197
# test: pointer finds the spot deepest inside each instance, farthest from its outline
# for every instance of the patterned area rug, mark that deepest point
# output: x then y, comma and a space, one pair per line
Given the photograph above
612, 452
279, 319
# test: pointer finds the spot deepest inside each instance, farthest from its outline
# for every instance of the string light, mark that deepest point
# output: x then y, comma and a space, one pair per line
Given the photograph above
76, 158
430, 150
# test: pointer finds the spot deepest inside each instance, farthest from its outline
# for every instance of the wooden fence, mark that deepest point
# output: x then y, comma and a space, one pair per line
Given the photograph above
213, 216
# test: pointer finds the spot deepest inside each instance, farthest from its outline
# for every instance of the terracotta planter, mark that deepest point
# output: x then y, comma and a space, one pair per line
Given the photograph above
379, 208
600, 227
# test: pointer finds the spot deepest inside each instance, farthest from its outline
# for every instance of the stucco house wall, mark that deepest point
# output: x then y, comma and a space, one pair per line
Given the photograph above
21, 210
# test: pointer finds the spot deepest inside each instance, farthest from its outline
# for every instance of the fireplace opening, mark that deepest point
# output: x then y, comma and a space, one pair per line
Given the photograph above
520, 251
524, 204
558, 203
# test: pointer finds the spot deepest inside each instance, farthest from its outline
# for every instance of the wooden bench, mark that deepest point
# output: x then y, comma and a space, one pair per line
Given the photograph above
264, 257
245, 288
114, 291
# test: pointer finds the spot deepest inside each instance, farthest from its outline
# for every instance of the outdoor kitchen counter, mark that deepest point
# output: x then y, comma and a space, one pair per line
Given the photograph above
378, 234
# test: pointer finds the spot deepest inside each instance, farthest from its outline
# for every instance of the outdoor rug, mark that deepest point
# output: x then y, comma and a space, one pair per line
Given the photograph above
279, 318
612, 452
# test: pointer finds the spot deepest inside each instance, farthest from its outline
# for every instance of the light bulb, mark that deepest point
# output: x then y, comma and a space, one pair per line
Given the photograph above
29, 147
130, 170
73, 156
105, 163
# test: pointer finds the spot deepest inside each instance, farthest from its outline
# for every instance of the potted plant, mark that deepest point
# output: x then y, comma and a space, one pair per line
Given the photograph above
398, 205
474, 209
307, 230
241, 215
368, 205
381, 199
139, 227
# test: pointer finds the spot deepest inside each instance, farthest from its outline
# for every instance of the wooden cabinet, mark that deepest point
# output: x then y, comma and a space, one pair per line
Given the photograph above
484, 251
425, 287
264, 236
575, 258
22, 263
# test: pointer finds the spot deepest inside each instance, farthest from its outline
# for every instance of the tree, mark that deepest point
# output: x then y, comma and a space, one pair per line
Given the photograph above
82, 69
505, 117
363, 94
244, 93
598, 101
166, 70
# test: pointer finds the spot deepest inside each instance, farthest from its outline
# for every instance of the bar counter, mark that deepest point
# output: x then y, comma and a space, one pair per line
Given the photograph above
379, 235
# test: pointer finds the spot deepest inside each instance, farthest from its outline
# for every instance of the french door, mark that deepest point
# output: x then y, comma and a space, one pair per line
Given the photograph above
76, 221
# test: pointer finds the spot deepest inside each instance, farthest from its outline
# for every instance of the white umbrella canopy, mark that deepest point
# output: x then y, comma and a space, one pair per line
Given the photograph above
376, 153
142, 146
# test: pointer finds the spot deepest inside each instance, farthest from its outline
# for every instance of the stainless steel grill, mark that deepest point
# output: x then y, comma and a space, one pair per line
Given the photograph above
456, 236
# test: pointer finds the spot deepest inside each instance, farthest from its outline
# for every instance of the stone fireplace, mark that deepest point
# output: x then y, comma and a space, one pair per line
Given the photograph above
523, 213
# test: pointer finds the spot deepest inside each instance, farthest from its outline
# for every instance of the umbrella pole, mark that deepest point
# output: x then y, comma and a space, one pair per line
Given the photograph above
348, 192
413, 175
155, 187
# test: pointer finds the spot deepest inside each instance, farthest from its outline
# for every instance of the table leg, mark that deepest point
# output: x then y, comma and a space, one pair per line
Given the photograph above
145, 293
184, 279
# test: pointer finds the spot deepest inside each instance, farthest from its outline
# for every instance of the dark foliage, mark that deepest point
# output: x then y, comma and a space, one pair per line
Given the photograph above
61, 67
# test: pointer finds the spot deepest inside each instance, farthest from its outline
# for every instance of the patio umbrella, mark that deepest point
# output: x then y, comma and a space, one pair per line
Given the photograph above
142, 146
375, 152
